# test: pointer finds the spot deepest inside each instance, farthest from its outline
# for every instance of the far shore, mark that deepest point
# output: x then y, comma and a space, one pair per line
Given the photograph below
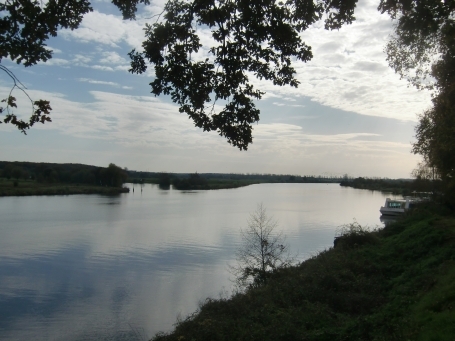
31, 187
209, 184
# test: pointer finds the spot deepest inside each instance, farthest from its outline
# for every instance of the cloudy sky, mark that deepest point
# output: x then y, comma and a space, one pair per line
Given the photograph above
351, 113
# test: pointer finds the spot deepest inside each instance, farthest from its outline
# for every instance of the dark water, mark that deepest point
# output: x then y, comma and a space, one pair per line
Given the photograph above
91, 267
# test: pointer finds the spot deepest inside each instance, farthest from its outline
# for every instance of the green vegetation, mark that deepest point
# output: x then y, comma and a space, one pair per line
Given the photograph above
185, 181
191, 182
397, 283
395, 186
257, 39
29, 178
196, 181
422, 50
263, 251
32, 187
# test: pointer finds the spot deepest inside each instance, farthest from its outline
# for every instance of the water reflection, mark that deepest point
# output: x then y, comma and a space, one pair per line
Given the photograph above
387, 219
94, 267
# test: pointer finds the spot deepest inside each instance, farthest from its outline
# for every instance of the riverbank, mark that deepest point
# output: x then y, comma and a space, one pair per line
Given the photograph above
209, 184
209, 181
397, 283
403, 187
31, 187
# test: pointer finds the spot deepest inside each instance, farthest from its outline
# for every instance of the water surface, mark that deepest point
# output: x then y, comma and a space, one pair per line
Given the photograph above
91, 267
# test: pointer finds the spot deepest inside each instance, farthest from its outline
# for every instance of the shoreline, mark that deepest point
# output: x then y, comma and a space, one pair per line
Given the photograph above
394, 283
31, 188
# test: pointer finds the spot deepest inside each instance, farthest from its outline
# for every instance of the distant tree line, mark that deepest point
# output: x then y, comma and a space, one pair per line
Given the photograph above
277, 178
194, 181
111, 176
163, 177
398, 186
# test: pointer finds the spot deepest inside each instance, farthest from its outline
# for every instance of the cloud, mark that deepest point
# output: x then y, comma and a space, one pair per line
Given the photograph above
127, 120
55, 62
102, 67
82, 60
92, 81
348, 71
133, 126
359, 83
330, 149
112, 58
329, 47
370, 66
280, 104
107, 29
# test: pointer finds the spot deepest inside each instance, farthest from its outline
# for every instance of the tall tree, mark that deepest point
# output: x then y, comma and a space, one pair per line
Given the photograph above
422, 50
423, 39
435, 135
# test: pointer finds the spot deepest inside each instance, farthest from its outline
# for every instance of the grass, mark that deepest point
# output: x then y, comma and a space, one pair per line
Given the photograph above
31, 187
397, 283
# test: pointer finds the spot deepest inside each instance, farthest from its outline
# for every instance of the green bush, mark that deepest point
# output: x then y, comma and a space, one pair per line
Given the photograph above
353, 235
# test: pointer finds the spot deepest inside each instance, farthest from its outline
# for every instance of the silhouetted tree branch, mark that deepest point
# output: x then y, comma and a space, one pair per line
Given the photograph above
40, 109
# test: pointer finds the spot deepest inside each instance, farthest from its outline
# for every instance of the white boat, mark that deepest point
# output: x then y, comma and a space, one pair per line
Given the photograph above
395, 206
399, 206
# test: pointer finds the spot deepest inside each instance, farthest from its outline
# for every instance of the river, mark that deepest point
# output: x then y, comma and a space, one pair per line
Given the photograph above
92, 267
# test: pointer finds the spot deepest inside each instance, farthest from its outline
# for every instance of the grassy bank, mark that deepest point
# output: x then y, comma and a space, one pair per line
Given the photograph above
397, 283
31, 187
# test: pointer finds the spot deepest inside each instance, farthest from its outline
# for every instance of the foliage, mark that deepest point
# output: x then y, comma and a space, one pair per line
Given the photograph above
353, 235
422, 40
164, 180
25, 27
40, 109
435, 135
32, 187
48, 173
400, 288
424, 172
422, 50
263, 251
212, 181
251, 37
395, 186
113, 176
259, 38
249, 177
194, 181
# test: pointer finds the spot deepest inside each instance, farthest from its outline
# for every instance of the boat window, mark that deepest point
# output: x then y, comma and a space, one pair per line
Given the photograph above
392, 204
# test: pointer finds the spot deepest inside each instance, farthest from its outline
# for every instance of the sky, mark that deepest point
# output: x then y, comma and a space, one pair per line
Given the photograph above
351, 114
